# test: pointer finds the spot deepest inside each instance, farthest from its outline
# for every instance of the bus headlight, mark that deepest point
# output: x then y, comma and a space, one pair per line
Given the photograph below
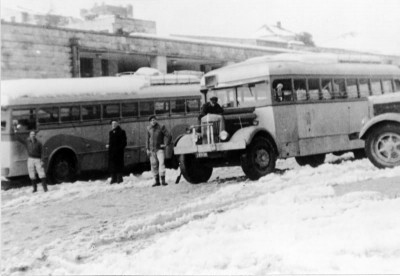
255, 123
223, 135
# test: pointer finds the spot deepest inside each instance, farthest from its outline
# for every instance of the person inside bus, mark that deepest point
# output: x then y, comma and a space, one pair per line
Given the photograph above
214, 112
116, 146
212, 107
279, 92
35, 162
157, 139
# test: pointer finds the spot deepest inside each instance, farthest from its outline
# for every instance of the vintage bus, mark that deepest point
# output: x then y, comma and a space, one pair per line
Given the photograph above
72, 117
295, 105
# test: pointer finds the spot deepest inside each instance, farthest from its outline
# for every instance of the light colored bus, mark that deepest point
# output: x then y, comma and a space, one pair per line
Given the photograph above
72, 117
301, 106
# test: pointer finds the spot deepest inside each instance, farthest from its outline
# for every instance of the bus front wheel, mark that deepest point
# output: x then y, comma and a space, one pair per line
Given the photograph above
383, 146
193, 170
312, 160
259, 159
63, 169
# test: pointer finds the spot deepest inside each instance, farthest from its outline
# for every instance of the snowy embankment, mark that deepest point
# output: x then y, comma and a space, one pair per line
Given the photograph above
341, 217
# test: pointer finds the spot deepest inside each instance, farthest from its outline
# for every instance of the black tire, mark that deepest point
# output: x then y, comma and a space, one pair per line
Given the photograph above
312, 160
383, 146
63, 169
259, 159
193, 170
359, 154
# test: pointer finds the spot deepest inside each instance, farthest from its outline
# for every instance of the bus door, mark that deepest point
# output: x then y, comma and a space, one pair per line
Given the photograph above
285, 115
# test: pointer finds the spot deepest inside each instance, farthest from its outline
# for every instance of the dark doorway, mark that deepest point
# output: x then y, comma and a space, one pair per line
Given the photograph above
104, 67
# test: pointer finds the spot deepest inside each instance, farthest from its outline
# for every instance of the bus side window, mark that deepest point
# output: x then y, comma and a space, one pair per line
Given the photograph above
282, 90
90, 112
339, 88
111, 111
387, 86
300, 90
313, 89
162, 108
352, 88
69, 113
376, 87
146, 108
364, 87
193, 106
130, 110
178, 106
326, 89
23, 120
48, 115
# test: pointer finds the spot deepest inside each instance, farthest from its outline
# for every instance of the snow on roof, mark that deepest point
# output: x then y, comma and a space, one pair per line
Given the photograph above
256, 69
25, 91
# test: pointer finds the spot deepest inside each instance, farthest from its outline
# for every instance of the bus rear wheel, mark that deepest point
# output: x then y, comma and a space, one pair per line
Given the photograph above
383, 146
63, 169
193, 170
259, 159
312, 160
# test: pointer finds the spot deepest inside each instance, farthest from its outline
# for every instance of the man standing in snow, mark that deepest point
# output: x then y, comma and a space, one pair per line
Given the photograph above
157, 139
116, 147
35, 163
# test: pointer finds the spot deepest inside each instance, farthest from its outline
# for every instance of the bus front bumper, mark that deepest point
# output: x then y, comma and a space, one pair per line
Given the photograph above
217, 147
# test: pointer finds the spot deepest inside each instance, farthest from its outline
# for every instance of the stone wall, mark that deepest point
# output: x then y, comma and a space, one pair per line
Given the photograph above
30, 51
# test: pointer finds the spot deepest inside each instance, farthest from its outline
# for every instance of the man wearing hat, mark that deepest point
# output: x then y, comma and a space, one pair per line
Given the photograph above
211, 107
157, 139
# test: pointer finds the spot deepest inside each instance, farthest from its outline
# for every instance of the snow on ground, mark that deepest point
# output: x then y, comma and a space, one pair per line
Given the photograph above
341, 217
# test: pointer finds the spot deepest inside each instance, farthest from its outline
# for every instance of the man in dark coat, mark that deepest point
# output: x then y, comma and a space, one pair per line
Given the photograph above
157, 139
116, 147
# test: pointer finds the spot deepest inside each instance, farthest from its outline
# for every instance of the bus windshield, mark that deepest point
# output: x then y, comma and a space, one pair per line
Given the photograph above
254, 94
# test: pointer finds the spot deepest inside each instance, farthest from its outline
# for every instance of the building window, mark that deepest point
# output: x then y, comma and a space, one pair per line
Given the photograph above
86, 67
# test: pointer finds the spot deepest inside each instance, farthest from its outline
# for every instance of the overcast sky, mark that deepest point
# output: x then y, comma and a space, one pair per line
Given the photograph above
375, 24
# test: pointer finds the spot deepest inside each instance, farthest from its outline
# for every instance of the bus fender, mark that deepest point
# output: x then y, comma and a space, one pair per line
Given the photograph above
249, 133
393, 117
184, 144
56, 151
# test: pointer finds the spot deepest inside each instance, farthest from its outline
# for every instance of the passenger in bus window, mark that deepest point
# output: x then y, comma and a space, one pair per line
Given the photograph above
116, 147
35, 163
157, 139
279, 92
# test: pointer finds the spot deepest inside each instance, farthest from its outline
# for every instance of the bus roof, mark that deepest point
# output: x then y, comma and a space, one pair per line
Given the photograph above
257, 69
45, 91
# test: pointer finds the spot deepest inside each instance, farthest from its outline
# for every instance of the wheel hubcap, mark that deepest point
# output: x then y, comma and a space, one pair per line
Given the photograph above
262, 158
388, 147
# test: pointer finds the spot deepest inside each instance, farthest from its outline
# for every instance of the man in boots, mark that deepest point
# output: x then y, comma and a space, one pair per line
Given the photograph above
35, 163
157, 139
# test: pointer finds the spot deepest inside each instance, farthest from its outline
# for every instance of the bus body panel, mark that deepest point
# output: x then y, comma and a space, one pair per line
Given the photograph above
286, 129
